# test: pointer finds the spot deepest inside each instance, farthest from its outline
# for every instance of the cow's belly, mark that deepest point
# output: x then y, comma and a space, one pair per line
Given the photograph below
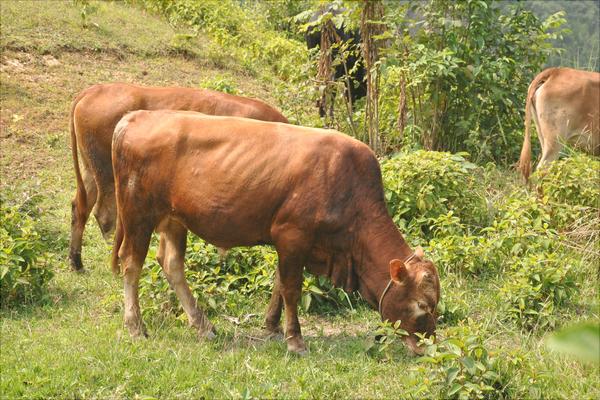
227, 233
226, 224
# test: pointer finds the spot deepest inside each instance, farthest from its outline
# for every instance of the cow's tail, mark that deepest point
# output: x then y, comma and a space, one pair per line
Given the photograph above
119, 233
525, 159
81, 193
116, 269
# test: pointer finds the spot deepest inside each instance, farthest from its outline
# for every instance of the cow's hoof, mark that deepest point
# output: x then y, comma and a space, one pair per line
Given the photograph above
296, 345
139, 333
75, 261
274, 333
136, 328
208, 333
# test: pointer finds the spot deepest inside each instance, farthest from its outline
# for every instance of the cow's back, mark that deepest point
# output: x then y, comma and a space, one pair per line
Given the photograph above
116, 99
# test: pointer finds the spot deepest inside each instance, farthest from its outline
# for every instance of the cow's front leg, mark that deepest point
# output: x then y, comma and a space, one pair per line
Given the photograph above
291, 289
292, 247
273, 314
173, 243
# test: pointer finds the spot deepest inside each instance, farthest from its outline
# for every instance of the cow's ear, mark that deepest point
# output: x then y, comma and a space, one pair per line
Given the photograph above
398, 271
419, 252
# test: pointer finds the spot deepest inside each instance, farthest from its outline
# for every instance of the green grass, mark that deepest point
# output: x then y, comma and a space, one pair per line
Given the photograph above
74, 345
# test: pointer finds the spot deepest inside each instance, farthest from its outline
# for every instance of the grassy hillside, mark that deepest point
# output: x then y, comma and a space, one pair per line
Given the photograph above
72, 344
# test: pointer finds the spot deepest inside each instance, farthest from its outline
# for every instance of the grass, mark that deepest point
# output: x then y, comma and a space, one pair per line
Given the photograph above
73, 344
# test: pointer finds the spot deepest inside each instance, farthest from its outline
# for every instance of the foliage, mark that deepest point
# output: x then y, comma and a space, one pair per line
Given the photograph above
388, 337
240, 32
540, 283
581, 42
220, 282
221, 84
24, 275
452, 306
422, 186
462, 366
466, 66
570, 188
522, 225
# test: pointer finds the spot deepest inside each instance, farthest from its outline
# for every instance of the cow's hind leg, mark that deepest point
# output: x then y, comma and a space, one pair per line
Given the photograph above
132, 254
106, 203
173, 242
81, 208
551, 148
273, 314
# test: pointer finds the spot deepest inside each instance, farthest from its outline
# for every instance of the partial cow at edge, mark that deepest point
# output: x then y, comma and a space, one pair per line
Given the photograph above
565, 106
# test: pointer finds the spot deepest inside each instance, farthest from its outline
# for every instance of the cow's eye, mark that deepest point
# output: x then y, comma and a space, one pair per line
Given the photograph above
425, 306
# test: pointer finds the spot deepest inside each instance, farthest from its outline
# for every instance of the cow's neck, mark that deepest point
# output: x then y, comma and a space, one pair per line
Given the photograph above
379, 242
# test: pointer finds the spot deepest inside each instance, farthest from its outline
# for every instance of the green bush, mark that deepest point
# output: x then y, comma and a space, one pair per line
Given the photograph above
462, 367
422, 186
521, 226
222, 283
24, 275
218, 283
388, 340
467, 65
452, 307
221, 84
571, 189
242, 32
539, 284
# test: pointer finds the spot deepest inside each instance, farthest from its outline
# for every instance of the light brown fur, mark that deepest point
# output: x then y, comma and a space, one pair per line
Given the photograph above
565, 106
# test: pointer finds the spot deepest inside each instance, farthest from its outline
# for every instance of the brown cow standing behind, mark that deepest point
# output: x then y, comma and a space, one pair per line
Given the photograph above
94, 114
316, 195
565, 104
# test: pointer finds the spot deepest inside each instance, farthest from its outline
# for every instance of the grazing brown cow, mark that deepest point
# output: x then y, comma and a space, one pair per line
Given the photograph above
94, 114
565, 104
316, 195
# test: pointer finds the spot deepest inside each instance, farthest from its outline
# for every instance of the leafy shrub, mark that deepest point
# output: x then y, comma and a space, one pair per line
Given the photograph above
424, 185
462, 367
319, 295
388, 340
222, 283
467, 65
218, 283
24, 275
521, 226
452, 306
540, 283
570, 188
221, 84
241, 32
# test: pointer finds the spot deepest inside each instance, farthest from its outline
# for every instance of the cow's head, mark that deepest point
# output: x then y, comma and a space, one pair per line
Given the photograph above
412, 297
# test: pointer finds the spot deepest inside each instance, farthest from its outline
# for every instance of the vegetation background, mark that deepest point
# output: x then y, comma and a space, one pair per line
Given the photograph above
516, 263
